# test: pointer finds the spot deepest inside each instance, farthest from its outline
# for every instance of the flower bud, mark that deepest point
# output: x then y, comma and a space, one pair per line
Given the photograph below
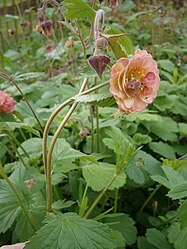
101, 43
69, 43
25, 24
99, 63
83, 133
46, 27
11, 32
113, 3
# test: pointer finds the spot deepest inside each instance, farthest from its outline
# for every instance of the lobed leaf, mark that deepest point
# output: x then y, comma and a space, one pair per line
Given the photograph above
70, 231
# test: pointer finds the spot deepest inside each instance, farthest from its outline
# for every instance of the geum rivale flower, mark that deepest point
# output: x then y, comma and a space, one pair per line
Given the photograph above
134, 82
7, 103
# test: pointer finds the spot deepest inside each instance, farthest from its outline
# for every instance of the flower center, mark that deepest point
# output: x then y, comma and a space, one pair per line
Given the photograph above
135, 73
134, 78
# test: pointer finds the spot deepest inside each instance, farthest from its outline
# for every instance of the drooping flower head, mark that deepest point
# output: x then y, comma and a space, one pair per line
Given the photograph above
7, 103
134, 82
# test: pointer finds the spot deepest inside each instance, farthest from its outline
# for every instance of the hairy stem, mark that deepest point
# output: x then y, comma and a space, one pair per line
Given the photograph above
92, 128
51, 147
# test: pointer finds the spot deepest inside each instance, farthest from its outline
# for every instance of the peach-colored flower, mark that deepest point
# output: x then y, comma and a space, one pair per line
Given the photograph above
134, 82
7, 103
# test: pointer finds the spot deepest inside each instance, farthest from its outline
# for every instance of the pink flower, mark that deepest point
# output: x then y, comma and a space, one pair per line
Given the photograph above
7, 103
134, 82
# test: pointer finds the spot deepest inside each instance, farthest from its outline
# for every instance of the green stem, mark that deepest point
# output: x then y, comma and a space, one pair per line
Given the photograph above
4, 175
149, 198
97, 128
7, 77
94, 204
92, 128
116, 200
51, 147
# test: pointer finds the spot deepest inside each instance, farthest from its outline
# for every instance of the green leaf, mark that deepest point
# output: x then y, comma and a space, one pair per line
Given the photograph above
178, 191
28, 76
9, 205
143, 116
23, 229
144, 161
13, 125
156, 238
70, 231
179, 165
165, 129
78, 9
140, 139
182, 214
166, 65
63, 151
171, 178
173, 232
165, 102
181, 239
163, 149
120, 43
144, 244
32, 146
124, 224
98, 176
183, 129
167, 76
96, 99
60, 204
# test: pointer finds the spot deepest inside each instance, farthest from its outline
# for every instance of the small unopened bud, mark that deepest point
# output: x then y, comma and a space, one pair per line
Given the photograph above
101, 43
113, 3
69, 43
11, 32
49, 48
99, 63
69, 62
83, 133
25, 24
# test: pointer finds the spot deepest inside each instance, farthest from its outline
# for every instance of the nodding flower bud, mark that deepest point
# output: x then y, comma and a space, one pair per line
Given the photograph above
113, 3
101, 43
25, 24
46, 27
99, 63
83, 133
